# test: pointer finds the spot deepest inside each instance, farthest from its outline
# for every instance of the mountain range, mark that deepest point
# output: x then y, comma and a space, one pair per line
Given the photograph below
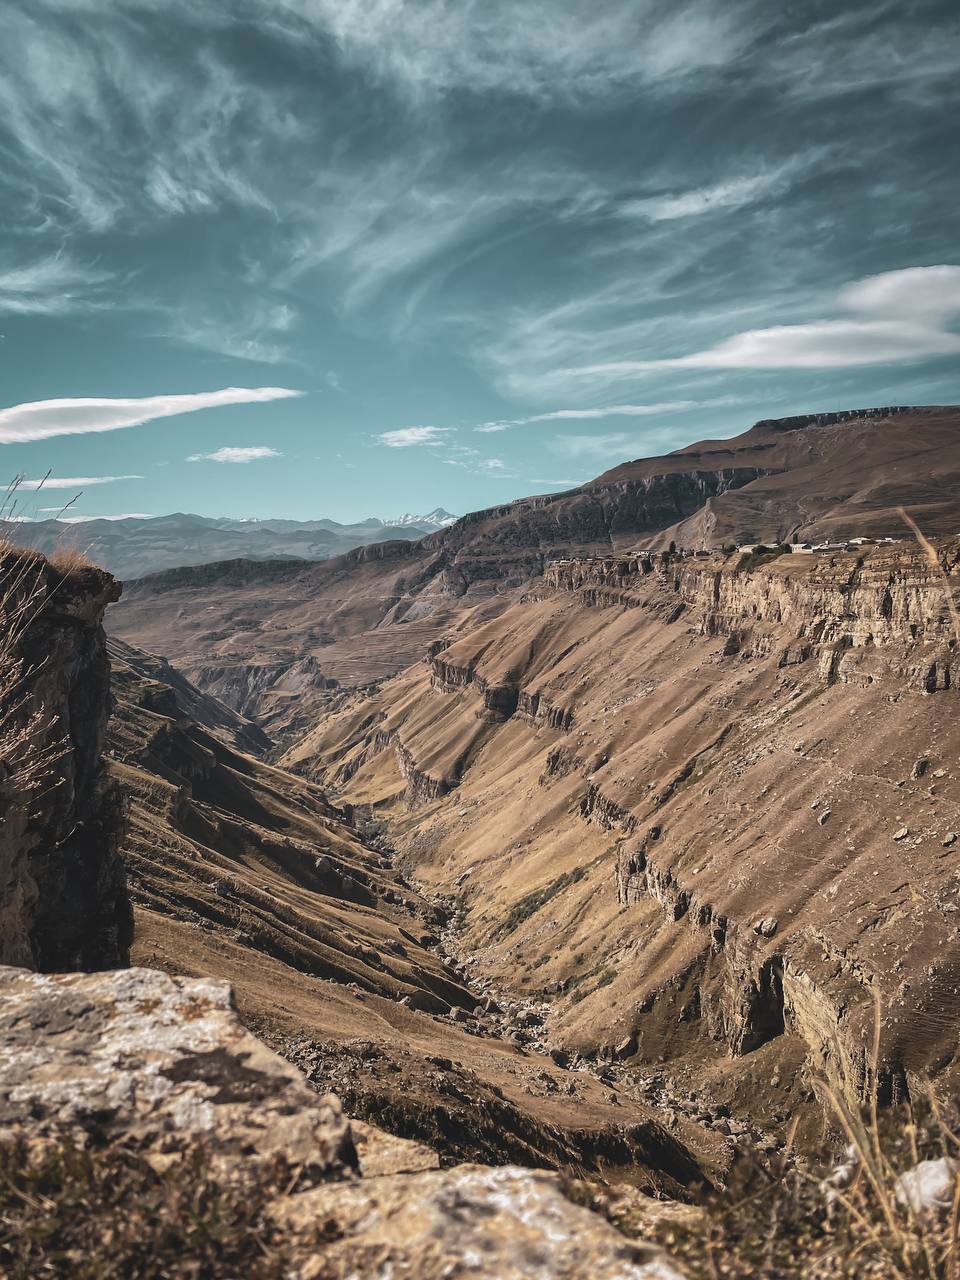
131, 547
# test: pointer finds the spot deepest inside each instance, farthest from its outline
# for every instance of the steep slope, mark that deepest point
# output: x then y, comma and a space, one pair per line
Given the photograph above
242, 871
269, 638
707, 809
63, 899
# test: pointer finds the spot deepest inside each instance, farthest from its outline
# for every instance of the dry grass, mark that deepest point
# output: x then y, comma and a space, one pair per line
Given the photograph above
26, 759
930, 551
70, 559
819, 1220
106, 1214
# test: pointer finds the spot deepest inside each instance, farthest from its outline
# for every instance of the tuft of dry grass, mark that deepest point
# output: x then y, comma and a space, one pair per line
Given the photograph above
930, 551
27, 759
69, 559
794, 1218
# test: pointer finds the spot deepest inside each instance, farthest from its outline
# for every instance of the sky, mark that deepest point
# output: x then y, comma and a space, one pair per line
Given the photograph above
341, 258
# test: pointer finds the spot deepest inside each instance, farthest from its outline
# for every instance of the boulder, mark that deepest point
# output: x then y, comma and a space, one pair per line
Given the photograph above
471, 1222
138, 1061
158, 1063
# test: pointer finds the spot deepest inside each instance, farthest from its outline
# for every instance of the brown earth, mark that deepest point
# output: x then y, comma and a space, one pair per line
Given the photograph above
243, 871
280, 640
706, 809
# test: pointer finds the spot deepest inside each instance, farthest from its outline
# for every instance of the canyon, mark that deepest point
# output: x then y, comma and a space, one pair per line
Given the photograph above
608, 833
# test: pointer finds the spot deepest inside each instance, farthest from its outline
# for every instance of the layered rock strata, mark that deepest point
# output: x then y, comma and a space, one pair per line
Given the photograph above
63, 901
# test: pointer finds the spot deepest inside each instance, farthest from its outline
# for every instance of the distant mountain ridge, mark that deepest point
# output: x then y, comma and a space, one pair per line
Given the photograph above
131, 547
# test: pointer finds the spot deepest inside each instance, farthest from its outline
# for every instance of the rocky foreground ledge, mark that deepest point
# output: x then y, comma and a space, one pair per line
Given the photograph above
137, 1062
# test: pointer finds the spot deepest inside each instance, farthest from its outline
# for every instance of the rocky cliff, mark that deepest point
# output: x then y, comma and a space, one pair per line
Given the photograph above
368, 615
63, 901
744, 786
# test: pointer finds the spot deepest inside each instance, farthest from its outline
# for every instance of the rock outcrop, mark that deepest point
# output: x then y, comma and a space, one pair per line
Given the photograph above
755, 789
158, 1067
63, 901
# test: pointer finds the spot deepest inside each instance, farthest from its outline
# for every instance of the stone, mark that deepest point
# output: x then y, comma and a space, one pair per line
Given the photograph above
824, 816
162, 1063
471, 1222
928, 1187
902, 833
382, 1154
626, 1048
766, 927
949, 839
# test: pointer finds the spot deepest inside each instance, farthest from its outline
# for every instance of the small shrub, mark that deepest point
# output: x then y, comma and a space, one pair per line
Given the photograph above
106, 1214
762, 555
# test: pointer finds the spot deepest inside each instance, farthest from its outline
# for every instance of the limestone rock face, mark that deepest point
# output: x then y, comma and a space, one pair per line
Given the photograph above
159, 1063
63, 903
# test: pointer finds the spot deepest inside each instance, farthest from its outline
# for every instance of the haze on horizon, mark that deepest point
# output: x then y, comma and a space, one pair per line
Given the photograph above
321, 258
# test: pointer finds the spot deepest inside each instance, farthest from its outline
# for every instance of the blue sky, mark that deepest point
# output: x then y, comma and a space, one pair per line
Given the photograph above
351, 257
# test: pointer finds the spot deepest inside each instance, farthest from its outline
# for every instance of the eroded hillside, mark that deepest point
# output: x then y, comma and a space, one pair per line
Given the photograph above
705, 808
280, 641
243, 871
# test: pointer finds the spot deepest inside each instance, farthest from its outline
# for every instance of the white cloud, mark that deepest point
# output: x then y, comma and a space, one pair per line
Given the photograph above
609, 411
899, 316
234, 453
615, 444
67, 482
407, 437
126, 515
250, 330
55, 285
498, 46
42, 419
725, 195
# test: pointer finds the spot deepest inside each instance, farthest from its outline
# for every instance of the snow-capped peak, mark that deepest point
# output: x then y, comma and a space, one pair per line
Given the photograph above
435, 519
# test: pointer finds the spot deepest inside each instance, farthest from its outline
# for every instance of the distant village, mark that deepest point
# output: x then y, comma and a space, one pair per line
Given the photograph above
851, 544
644, 559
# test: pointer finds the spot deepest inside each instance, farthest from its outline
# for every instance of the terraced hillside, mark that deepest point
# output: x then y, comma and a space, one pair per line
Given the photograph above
279, 640
707, 808
243, 871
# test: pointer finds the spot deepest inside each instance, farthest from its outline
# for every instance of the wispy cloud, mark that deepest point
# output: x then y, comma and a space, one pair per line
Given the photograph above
66, 482
733, 194
255, 332
608, 411
237, 453
52, 286
126, 515
42, 419
897, 316
496, 47
410, 437
614, 444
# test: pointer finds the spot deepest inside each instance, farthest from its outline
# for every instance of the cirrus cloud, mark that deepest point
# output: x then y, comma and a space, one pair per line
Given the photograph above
608, 411
66, 482
237, 453
42, 419
897, 316
408, 437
